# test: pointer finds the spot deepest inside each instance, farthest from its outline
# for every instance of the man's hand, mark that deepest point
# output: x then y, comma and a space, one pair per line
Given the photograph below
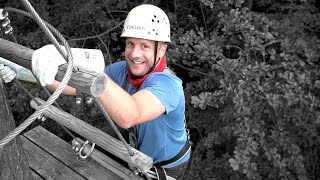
46, 60
10, 70
7, 73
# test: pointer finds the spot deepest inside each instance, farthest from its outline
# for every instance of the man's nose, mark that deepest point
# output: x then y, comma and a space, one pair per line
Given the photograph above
136, 52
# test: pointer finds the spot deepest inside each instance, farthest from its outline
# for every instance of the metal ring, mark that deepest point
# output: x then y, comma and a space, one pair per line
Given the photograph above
90, 151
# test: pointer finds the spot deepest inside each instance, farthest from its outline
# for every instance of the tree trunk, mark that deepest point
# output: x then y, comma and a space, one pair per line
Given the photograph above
13, 162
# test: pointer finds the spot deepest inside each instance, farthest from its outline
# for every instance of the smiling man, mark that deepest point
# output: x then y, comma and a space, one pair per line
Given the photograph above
142, 95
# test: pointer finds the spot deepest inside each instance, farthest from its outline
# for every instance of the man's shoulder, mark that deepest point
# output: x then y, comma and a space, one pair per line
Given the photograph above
165, 76
119, 64
163, 80
116, 69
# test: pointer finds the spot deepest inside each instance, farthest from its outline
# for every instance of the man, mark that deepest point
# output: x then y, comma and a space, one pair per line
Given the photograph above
139, 95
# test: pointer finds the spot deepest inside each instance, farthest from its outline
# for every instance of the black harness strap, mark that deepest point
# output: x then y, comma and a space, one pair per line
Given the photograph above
160, 172
182, 153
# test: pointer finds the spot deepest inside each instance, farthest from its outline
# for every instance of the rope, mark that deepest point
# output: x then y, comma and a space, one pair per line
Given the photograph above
52, 29
60, 88
48, 30
17, 82
56, 32
27, 122
106, 115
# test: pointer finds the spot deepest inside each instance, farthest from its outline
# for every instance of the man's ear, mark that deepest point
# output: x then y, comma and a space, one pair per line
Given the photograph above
162, 50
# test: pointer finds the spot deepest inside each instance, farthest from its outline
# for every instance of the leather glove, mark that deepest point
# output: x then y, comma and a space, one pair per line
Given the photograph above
46, 60
10, 70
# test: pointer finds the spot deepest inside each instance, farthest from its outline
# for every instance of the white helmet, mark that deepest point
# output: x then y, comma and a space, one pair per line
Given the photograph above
147, 21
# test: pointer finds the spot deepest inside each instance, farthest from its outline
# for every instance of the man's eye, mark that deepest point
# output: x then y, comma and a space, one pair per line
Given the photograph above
129, 44
145, 46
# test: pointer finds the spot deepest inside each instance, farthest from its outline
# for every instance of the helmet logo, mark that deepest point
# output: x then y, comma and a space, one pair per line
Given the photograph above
135, 27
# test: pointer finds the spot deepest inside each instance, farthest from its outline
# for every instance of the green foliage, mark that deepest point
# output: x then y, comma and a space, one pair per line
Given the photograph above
252, 83
261, 84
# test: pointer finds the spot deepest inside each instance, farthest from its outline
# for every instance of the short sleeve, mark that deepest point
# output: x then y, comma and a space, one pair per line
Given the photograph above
167, 88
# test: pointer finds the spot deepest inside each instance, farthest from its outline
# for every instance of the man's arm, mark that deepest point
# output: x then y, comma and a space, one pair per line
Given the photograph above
68, 90
127, 110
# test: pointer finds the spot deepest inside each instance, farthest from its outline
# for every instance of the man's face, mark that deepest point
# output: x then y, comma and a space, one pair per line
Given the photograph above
139, 54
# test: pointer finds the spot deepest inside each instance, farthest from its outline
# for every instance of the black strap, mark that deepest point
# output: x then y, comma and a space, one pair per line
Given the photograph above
182, 152
133, 137
160, 173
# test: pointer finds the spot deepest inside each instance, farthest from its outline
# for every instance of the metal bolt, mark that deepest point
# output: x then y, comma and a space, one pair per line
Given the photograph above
89, 100
79, 100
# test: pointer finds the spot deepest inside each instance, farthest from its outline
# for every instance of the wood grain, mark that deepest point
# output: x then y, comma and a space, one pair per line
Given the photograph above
84, 80
107, 142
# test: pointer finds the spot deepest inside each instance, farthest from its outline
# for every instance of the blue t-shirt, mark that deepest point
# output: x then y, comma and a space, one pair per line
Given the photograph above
163, 137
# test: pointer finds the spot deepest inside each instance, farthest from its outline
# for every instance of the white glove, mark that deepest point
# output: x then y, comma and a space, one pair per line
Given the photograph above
46, 60
10, 70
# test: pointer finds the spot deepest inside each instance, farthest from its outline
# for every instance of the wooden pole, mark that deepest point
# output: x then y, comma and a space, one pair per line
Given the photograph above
105, 161
107, 142
84, 80
13, 163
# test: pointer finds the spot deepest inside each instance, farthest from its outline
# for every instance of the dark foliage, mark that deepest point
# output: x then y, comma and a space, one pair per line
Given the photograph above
250, 71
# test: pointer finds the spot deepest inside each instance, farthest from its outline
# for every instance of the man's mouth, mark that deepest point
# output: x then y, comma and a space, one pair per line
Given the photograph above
137, 62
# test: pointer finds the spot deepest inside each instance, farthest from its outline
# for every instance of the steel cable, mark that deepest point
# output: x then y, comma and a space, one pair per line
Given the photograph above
60, 88
34, 116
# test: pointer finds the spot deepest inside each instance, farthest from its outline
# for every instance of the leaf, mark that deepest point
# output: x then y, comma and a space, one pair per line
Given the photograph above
234, 164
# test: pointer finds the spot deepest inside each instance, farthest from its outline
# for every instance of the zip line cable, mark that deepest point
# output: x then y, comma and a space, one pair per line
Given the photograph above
17, 82
60, 88
48, 30
38, 103
58, 34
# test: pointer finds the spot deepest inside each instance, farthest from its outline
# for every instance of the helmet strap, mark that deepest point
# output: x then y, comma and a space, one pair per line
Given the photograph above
155, 62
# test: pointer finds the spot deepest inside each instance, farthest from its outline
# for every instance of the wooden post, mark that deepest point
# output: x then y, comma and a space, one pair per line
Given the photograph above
13, 163
105, 141
84, 80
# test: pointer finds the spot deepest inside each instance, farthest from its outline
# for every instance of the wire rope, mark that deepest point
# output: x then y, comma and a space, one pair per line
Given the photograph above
60, 88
